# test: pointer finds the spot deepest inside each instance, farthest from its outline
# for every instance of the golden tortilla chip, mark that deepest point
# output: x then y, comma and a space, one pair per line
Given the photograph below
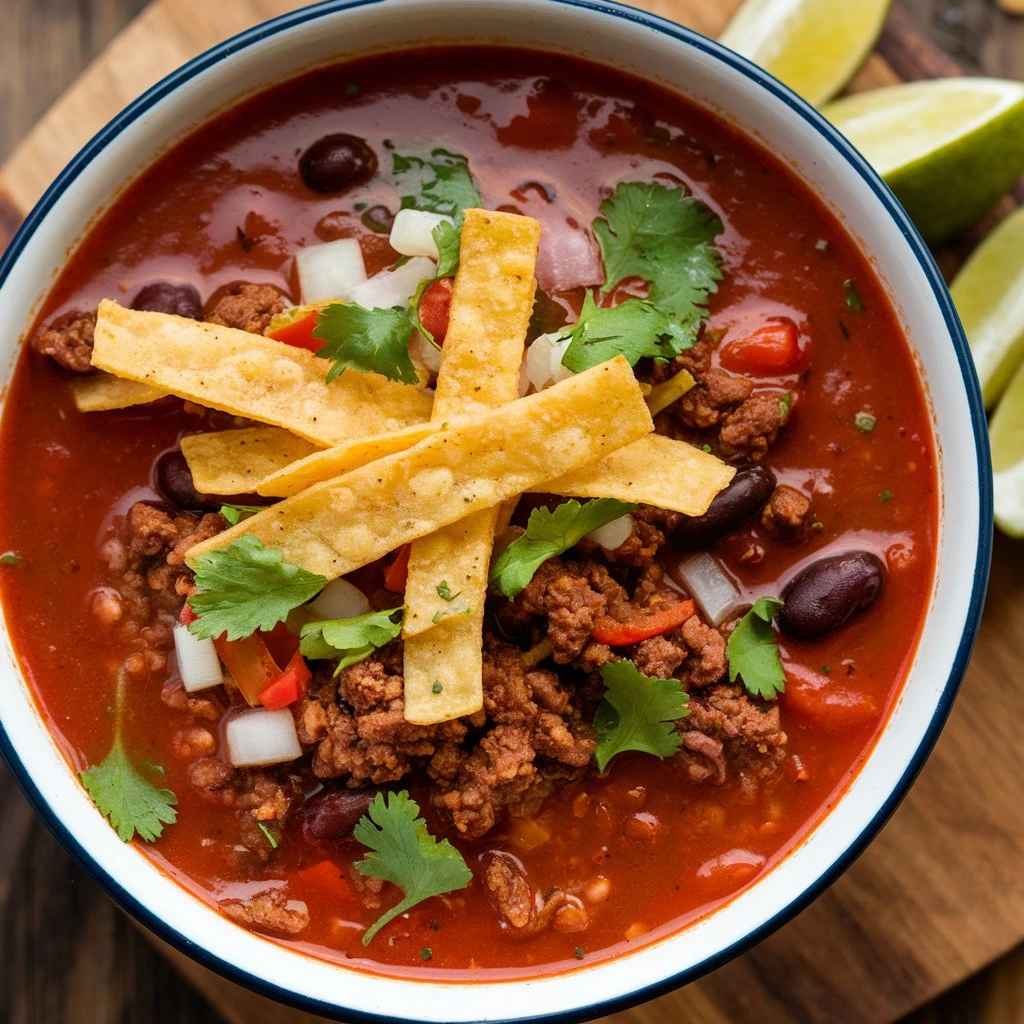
102, 392
291, 477
654, 470
442, 670
662, 395
334, 527
235, 461
249, 375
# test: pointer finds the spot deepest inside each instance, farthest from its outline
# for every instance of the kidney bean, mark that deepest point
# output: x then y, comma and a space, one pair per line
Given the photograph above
821, 597
332, 813
336, 163
174, 482
165, 297
748, 492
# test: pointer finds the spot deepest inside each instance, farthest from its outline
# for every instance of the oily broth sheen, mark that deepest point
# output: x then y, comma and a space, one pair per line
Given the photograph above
670, 850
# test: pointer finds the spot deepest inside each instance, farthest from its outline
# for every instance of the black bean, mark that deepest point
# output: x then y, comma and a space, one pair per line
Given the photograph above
333, 813
174, 482
164, 297
747, 494
828, 592
336, 163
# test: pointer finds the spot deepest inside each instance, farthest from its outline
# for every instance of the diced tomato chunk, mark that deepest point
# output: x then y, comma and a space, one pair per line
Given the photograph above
187, 616
396, 575
435, 307
826, 701
324, 877
771, 350
250, 664
288, 687
299, 333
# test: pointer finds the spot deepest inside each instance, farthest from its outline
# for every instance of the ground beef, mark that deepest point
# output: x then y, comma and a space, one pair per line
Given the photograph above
716, 394
693, 653
651, 528
749, 431
265, 793
270, 910
523, 911
68, 340
787, 516
247, 307
748, 733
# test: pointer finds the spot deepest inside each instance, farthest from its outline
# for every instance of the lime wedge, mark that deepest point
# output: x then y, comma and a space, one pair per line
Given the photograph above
948, 148
814, 46
989, 296
1007, 435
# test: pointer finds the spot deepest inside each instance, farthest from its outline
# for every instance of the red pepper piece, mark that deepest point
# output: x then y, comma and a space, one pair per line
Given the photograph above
288, 687
250, 663
771, 350
187, 616
396, 575
323, 877
435, 307
299, 333
620, 634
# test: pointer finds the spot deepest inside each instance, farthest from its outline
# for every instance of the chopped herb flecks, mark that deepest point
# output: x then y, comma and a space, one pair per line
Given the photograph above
853, 300
865, 422
270, 837
884, 496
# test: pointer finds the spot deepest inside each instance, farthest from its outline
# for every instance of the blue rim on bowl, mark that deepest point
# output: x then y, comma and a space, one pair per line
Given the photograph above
837, 143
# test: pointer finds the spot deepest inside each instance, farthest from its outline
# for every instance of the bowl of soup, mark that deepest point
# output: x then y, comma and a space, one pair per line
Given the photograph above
497, 507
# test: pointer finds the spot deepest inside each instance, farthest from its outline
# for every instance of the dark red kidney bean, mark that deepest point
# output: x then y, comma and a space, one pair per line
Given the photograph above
379, 219
828, 592
332, 813
336, 163
747, 494
164, 297
174, 482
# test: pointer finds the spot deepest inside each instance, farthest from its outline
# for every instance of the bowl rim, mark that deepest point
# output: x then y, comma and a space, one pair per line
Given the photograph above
836, 142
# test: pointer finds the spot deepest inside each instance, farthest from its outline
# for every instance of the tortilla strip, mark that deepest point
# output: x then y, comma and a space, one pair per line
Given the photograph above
655, 471
290, 476
235, 461
337, 526
249, 375
101, 392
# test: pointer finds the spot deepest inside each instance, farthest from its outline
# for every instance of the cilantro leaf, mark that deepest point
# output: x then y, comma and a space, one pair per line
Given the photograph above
549, 533
367, 340
10, 558
245, 587
448, 238
753, 654
634, 328
444, 591
414, 310
402, 851
234, 514
665, 237
638, 713
125, 797
354, 639
441, 184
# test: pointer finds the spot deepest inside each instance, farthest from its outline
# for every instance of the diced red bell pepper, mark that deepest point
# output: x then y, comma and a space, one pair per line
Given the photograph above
288, 687
250, 663
828, 703
435, 307
324, 877
771, 350
396, 575
299, 333
607, 630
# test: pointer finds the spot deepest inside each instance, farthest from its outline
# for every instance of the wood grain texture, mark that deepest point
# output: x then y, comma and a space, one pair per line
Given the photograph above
936, 897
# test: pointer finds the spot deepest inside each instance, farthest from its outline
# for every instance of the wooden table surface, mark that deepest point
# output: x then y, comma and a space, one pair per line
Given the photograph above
67, 956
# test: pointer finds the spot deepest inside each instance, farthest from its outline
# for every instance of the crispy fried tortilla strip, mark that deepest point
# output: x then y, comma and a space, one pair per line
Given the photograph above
249, 375
337, 526
492, 302
654, 470
662, 395
102, 392
235, 461
292, 477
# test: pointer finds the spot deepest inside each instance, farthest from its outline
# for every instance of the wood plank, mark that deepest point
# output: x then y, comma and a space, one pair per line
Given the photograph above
890, 934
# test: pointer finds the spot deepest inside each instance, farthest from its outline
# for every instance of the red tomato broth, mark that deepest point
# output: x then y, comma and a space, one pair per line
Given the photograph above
518, 121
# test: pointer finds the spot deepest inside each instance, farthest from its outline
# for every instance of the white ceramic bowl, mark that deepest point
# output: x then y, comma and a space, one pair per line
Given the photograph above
654, 49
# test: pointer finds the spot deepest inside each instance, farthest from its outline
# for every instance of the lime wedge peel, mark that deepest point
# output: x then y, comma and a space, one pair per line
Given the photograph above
813, 46
1007, 436
989, 296
948, 148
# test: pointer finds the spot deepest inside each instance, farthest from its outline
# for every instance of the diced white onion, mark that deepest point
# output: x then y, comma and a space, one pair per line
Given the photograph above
393, 287
568, 256
331, 271
339, 600
262, 737
198, 663
708, 585
544, 361
423, 354
412, 232
614, 534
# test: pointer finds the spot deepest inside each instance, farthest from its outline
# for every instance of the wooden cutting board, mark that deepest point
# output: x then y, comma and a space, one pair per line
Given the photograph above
940, 893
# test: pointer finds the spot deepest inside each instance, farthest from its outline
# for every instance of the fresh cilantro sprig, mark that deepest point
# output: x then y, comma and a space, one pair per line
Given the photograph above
634, 328
440, 183
638, 712
366, 340
352, 640
246, 587
753, 653
549, 533
667, 238
234, 514
448, 239
402, 851
125, 797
